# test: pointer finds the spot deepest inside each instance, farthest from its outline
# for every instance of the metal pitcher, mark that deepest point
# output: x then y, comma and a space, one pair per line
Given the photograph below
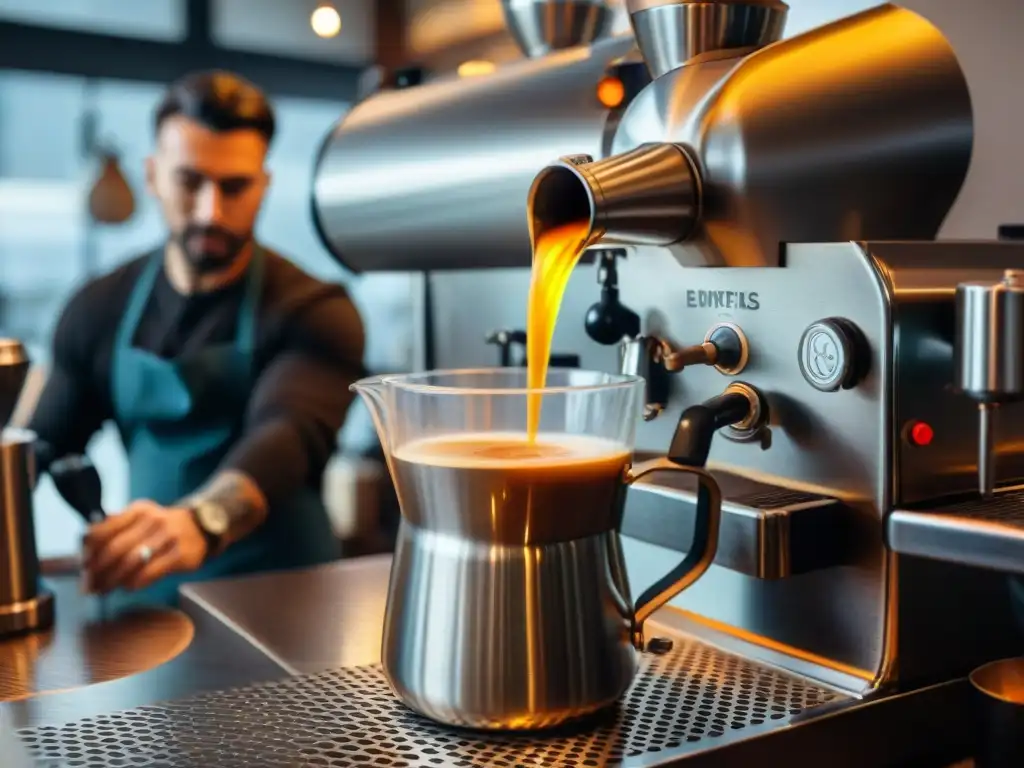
509, 606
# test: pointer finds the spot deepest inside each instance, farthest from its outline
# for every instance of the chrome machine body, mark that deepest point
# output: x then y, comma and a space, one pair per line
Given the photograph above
801, 183
724, 162
769, 163
419, 178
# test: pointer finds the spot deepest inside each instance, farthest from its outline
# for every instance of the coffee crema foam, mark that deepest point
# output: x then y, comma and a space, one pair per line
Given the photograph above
513, 450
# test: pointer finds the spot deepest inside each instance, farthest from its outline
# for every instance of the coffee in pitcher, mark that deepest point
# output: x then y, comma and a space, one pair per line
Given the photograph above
512, 482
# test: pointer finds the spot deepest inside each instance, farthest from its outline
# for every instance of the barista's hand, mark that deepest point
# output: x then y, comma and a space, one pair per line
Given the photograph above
115, 550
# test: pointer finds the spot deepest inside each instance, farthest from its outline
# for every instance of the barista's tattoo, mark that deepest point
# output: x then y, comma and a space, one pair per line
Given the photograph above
240, 497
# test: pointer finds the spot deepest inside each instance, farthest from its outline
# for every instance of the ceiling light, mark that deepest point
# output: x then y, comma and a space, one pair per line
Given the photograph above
325, 20
475, 67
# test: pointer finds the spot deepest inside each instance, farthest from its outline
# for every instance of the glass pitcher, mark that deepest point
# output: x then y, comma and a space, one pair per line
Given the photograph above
508, 606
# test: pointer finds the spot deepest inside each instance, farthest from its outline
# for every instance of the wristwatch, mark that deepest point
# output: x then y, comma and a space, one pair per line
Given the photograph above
213, 521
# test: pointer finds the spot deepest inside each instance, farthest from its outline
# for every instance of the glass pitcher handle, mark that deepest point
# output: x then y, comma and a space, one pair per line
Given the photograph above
702, 551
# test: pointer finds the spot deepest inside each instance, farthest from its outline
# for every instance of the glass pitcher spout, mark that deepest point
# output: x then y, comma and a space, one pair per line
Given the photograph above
373, 391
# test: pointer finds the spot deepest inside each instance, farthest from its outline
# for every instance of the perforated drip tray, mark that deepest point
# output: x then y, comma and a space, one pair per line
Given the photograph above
691, 699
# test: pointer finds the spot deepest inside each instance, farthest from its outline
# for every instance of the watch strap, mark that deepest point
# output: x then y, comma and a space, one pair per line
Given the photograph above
214, 542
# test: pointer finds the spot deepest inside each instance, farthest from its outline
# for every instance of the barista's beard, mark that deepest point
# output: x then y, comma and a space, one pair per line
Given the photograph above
210, 262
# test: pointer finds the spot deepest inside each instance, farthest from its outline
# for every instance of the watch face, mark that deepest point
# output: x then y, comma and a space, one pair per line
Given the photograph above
213, 518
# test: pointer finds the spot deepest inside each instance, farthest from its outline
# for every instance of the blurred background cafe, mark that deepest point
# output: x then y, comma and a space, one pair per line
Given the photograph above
79, 83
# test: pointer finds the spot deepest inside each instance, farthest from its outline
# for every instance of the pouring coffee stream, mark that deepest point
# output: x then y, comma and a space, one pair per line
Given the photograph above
556, 251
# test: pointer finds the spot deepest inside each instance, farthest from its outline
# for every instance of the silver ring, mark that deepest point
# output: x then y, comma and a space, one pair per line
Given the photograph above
145, 554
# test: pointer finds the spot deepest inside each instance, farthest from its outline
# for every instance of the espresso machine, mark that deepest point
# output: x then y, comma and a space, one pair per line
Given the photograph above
851, 383
789, 193
25, 605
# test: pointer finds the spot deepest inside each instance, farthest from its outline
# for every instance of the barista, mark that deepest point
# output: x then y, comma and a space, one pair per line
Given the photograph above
224, 367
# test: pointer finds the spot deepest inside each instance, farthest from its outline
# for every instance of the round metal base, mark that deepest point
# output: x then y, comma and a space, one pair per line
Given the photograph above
27, 616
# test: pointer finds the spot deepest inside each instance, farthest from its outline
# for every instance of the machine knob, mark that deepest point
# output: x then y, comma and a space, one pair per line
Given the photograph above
731, 349
833, 354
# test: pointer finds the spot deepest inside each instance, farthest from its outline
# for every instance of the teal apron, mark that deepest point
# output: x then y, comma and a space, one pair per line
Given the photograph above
178, 419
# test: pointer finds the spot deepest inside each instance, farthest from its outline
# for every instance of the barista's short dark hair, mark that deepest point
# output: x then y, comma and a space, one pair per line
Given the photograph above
220, 101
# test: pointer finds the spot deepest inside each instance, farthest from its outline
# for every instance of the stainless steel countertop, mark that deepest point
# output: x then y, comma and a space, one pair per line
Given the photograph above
258, 628
332, 616
305, 621
246, 630
90, 643
216, 658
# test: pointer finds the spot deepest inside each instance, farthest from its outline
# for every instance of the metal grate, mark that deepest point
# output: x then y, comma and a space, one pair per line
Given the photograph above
349, 717
1007, 508
777, 498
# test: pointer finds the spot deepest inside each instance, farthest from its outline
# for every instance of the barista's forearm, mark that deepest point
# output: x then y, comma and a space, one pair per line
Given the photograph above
281, 455
239, 495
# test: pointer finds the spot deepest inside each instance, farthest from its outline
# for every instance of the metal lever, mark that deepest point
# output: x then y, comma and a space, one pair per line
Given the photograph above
651, 357
675, 360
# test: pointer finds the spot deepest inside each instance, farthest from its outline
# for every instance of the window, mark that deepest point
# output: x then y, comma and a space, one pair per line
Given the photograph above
283, 28
150, 19
42, 213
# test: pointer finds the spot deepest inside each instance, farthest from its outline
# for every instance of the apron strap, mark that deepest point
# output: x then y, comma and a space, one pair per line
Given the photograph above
246, 338
137, 301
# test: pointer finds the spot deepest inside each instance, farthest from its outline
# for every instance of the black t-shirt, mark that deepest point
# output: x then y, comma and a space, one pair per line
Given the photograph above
308, 349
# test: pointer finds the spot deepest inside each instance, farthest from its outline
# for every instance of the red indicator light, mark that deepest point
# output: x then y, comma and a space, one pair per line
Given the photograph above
920, 433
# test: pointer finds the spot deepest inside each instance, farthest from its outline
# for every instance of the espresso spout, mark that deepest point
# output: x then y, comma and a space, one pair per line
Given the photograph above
647, 196
698, 424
